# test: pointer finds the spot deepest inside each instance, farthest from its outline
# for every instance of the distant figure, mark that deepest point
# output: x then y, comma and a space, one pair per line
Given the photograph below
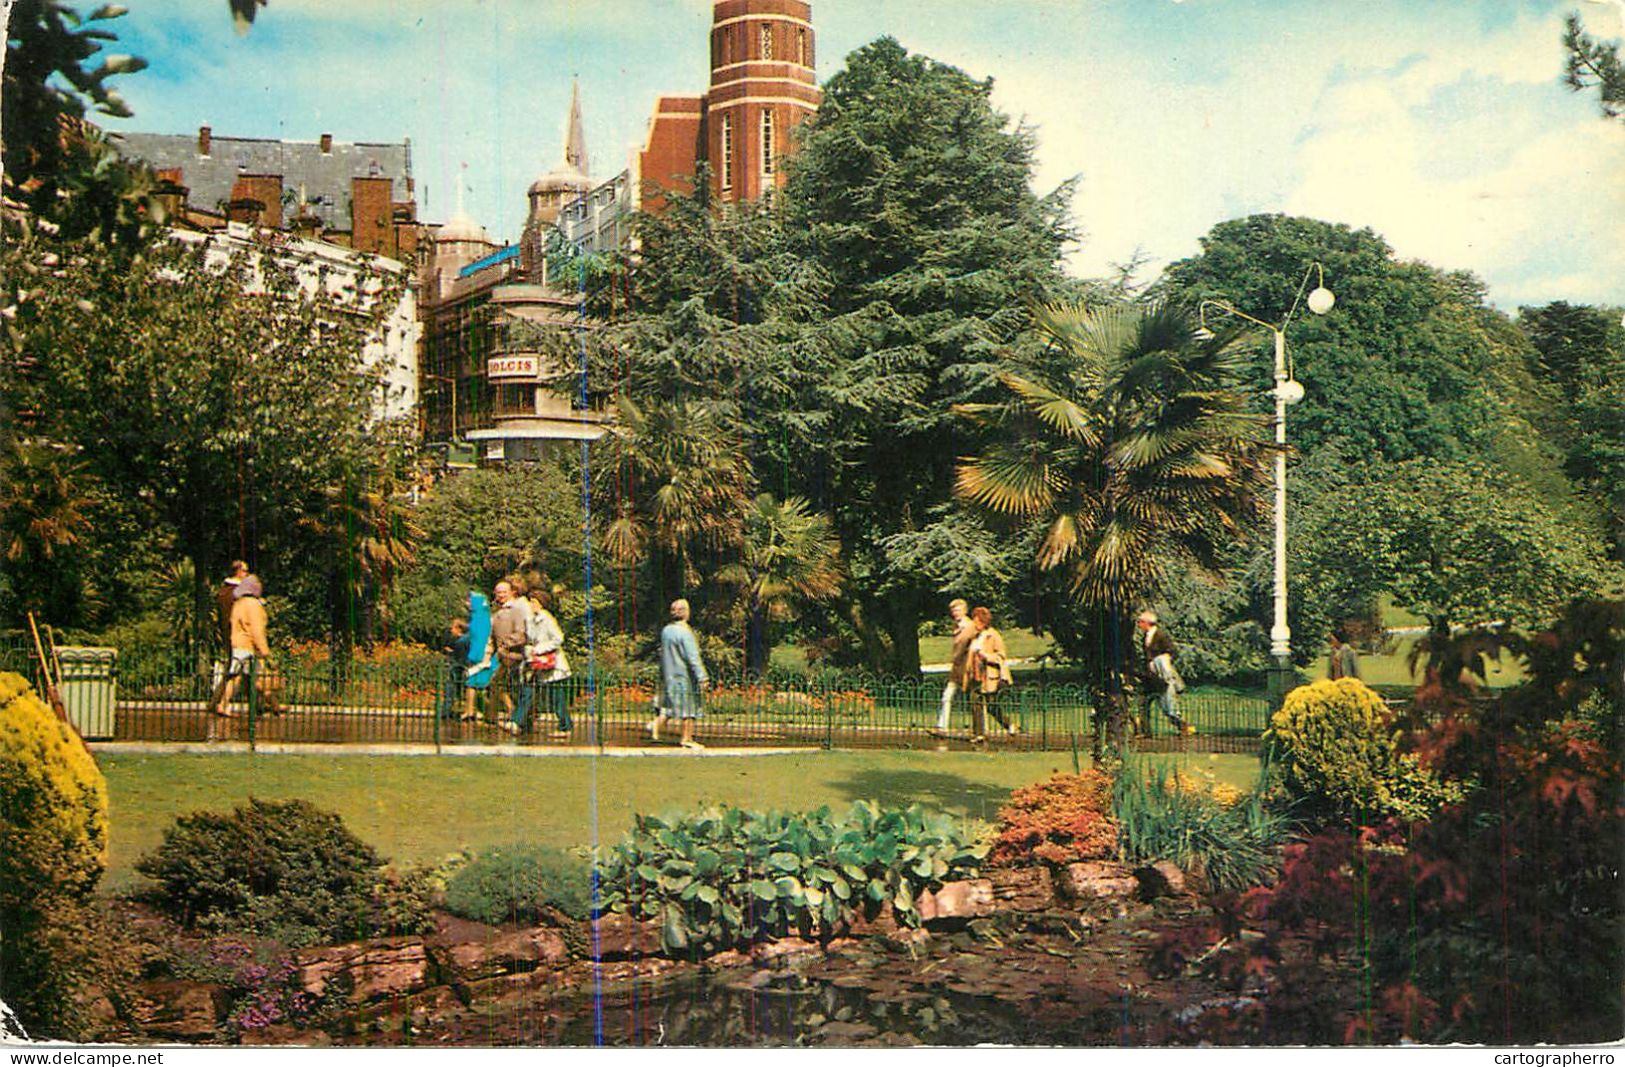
958, 663
508, 624
1343, 663
454, 681
225, 598
682, 676
989, 673
482, 661
1162, 681
546, 666
250, 651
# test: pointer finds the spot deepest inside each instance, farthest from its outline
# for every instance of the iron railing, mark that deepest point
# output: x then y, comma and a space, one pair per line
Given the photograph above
416, 700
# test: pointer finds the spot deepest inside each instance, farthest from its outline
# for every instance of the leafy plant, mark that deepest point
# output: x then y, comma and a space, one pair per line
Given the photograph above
1334, 744
725, 876
1164, 815
282, 868
520, 883
1062, 820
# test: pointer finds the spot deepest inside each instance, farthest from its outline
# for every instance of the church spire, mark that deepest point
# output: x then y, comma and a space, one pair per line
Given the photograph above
575, 141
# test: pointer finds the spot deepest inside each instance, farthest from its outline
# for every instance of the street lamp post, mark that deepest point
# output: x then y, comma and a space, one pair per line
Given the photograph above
1287, 391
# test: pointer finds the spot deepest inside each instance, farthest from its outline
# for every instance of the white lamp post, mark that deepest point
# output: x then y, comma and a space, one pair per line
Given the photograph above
1288, 390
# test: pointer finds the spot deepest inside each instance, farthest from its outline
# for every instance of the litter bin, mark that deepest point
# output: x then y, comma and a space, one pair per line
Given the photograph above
89, 688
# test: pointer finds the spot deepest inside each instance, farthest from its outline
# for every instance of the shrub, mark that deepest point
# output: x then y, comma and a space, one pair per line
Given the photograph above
1335, 747
1062, 820
1168, 815
276, 868
520, 883
724, 877
53, 848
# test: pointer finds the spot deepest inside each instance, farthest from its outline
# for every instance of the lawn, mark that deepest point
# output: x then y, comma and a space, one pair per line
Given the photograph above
415, 809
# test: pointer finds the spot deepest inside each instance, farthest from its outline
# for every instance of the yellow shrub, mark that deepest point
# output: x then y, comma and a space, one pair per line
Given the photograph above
1335, 744
53, 804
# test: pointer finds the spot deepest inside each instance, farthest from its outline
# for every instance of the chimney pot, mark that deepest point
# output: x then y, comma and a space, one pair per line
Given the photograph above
204, 137
327, 144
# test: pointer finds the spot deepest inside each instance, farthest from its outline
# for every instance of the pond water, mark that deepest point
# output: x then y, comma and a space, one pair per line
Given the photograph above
761, 1008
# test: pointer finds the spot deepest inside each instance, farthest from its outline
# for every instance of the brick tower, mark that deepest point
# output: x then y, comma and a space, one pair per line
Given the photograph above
762, 86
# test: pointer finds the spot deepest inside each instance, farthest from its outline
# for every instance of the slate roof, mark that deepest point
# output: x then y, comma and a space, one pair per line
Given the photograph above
326, 175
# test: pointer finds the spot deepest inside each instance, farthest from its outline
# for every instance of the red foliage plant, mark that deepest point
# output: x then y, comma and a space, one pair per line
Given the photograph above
1062, 820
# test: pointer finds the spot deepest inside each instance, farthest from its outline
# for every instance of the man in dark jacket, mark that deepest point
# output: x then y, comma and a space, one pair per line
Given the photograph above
1162, 680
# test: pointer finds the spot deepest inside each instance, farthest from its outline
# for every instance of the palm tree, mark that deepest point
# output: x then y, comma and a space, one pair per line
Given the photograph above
371, 538
1129, 443
680, 480
789, 554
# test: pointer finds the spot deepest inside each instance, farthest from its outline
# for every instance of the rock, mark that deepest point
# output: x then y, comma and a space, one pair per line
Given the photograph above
178, 1009
367, 971
957, 901
282, 1034
1161, 879
767, 951
884, 922
621, 937
1022, 888
904, 940
1089, 882
508, 952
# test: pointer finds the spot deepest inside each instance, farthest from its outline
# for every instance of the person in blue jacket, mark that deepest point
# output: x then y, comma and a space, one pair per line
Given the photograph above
682, 677
481, 657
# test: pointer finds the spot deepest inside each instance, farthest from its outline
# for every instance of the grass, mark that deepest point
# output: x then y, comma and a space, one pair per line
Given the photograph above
1389, 668
417, 809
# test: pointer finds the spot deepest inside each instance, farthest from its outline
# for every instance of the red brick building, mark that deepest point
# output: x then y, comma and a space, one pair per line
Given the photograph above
762, 86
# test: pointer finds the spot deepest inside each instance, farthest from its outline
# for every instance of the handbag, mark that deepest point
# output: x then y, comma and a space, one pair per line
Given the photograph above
544, 661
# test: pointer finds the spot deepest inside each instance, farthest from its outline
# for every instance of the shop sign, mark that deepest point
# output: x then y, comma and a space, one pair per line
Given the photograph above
498, 368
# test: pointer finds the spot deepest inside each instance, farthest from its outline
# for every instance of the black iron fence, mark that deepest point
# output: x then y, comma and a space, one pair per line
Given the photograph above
419, 700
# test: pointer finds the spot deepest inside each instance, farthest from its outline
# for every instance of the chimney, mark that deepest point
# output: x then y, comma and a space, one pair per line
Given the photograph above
204, 137
327, 144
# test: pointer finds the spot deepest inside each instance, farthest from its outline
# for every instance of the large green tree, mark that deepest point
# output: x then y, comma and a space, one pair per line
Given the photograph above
217, 392
1130, 445
1580, 352
1459, 543
910, 200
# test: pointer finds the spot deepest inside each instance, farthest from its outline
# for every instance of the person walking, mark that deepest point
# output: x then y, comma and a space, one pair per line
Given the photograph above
958, 662
481, 662
1342, 663
1162, 681
547, 666
454, 677
682, 677
508, 636
989, 673
250, 650
225, 598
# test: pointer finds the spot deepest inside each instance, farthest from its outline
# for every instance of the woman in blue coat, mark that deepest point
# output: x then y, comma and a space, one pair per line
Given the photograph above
682, 677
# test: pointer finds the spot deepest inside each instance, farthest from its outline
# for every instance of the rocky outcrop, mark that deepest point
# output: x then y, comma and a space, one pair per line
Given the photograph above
367, 971
504, 952
177, 1010
1096, 881
1022, 888
1161, 879
957, 900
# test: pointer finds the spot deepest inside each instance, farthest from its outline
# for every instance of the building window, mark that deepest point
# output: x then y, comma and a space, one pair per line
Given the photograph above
767, 142
725, 153
767, 42
802, 56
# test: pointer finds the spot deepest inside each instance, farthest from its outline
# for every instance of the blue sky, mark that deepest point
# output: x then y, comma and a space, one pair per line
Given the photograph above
1441, 125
